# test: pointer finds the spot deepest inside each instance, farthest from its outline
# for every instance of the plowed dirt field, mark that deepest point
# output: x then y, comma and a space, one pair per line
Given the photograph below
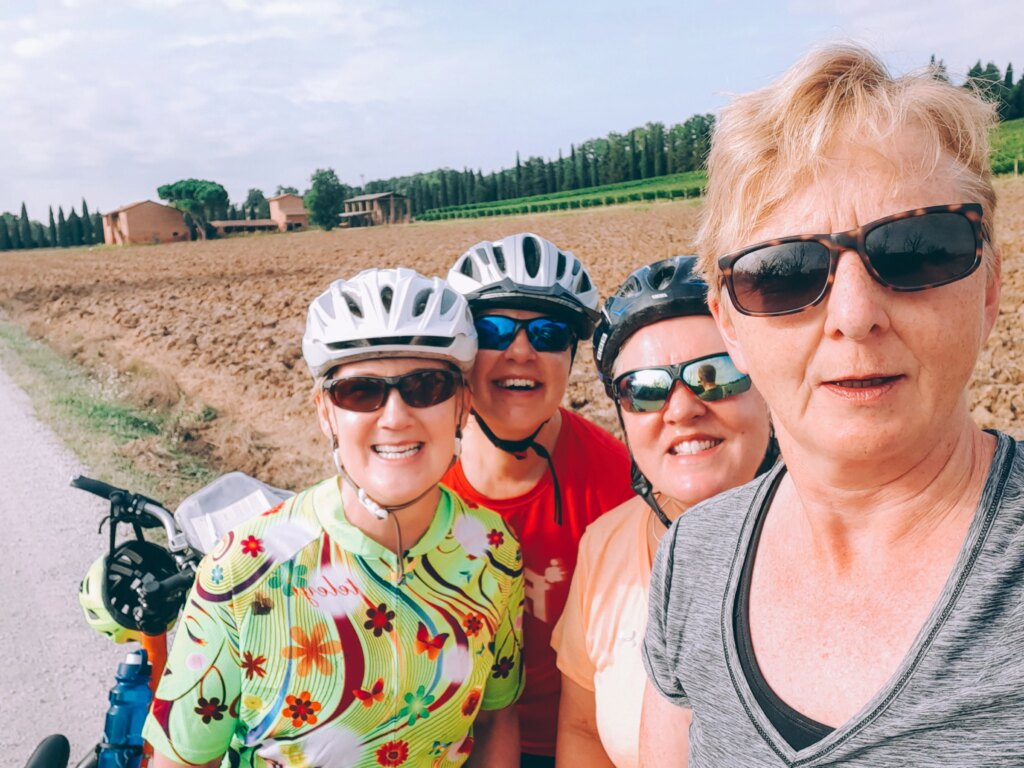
218, 324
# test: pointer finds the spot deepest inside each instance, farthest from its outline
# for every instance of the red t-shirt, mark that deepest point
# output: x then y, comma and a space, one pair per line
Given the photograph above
593, 472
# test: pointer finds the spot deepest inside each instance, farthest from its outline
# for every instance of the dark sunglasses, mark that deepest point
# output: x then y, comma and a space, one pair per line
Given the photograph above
419, 389
712, 377
909, 251
543, 333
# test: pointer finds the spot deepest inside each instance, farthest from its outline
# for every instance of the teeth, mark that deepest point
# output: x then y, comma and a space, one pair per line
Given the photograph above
690, 447
391, 452
517, 383
861, 383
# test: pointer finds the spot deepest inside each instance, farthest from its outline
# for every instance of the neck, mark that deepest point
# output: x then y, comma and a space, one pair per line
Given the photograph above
853, 508
414, 519
673, 509
493, 471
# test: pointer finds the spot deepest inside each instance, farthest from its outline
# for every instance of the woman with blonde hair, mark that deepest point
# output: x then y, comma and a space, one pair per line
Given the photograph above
858, 605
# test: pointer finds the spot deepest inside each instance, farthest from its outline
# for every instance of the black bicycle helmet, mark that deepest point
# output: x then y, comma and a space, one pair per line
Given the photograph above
658, 291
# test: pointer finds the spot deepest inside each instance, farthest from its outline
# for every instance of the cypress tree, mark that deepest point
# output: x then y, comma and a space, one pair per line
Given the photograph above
39, 234
584, 169
5, 236
570, 169
53, 230
62, 228
25, 227
74, 228
97, 228
634, 160
15, 235
88, 238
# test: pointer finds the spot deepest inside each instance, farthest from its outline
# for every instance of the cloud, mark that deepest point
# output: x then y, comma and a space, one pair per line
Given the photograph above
41, 45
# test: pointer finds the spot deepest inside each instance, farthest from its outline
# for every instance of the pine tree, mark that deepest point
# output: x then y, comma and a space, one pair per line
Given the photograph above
88, 237
62, 228
25, 227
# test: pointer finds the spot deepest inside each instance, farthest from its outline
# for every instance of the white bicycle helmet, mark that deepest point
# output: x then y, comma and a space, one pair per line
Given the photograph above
388, 313
525, 271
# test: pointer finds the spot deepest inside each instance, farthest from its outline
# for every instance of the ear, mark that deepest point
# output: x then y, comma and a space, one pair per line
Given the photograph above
993, 292
324, 415
467, 404
724, 314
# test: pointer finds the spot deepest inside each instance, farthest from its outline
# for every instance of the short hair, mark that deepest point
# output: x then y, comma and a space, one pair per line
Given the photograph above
766, 142
708, 373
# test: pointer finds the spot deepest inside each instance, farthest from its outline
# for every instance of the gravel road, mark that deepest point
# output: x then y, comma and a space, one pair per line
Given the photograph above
54, 671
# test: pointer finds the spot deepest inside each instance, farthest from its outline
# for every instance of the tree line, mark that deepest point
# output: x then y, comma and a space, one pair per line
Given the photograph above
644, 152
20, 232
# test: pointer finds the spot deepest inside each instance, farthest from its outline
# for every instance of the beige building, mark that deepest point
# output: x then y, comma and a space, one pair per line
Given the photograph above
378, 208
289, 212
144, 222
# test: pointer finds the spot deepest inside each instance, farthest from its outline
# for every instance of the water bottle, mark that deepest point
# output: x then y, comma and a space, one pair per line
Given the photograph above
129, 703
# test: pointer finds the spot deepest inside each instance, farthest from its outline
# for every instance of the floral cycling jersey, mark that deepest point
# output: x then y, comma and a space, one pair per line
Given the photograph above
301, 644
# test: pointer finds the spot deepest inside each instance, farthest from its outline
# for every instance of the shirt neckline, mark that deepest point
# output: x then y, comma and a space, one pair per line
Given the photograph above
981, 524
330, 512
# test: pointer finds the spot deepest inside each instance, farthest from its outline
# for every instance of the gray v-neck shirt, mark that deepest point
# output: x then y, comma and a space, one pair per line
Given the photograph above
957, 699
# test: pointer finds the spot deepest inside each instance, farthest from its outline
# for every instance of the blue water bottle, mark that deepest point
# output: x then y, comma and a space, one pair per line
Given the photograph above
129, 703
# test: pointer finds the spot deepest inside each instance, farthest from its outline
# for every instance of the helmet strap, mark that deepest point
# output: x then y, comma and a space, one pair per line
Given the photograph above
518, 449
641, 485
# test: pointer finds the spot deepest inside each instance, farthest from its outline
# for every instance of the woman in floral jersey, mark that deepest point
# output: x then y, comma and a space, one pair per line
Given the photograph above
375, 618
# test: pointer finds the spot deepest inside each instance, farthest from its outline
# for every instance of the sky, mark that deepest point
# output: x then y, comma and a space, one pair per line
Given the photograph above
109, 99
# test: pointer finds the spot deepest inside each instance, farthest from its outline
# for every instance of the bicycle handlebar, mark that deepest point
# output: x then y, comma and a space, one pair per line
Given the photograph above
96, 487
172, 584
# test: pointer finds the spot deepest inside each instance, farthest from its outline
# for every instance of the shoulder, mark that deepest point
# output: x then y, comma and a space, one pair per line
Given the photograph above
481, 531
254, 548
613, 536
594, 438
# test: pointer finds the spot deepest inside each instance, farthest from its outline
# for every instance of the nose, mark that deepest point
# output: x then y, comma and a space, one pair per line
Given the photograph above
520, 349
857, 304
682, 405
395, 412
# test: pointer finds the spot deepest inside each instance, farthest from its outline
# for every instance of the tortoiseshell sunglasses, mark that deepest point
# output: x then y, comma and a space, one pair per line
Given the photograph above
909, 251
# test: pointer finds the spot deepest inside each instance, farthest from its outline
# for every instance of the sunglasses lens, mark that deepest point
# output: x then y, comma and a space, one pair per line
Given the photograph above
715, 378
495, 331
423, 389
358, 393
548, 335
645, 390
780, 278
923, 251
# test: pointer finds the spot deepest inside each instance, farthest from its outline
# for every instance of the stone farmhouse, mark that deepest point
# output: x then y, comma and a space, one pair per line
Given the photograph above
144, 222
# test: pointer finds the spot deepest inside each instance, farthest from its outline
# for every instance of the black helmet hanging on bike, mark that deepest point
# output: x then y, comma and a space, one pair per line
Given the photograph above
110, 593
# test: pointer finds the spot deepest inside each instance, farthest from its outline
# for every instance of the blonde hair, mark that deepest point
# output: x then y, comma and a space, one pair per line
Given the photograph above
767, 142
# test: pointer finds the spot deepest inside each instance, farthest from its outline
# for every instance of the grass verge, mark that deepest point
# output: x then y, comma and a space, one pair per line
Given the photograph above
141, 449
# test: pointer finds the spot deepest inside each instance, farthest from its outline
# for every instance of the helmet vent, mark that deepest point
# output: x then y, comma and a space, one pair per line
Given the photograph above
448, 299
630, 288
386, 295
467, 268
353, 306
585, 284
661, 279
482, 254
560, 267
420, 304
499, 257
531, 256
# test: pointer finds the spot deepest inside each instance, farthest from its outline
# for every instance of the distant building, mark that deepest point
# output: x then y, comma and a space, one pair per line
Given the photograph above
289, 211
287, 214
144, 222
378, 208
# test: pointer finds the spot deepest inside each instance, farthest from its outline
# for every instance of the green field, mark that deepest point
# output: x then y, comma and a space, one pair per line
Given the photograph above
1008, 147
677, 185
